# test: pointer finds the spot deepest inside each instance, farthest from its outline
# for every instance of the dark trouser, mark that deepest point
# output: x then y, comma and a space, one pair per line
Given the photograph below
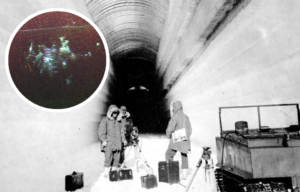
122, 155
112, 158
170, 153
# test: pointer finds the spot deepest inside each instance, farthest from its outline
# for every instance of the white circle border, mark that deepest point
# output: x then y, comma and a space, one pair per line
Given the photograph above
107, 62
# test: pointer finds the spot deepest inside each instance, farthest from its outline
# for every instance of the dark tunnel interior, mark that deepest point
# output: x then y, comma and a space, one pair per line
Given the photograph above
137, 85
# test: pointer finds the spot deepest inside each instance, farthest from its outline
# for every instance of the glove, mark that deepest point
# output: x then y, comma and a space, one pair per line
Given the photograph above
104, 144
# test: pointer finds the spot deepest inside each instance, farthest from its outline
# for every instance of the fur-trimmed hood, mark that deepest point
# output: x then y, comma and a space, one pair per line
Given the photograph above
175, 106
110, 110
121, 115
178, 121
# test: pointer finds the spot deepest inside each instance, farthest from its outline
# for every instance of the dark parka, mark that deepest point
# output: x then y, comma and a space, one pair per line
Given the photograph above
126, 122
179, 120
110, 130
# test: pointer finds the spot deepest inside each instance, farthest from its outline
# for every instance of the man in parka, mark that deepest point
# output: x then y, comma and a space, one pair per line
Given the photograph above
127, 125
179, 120
111, 135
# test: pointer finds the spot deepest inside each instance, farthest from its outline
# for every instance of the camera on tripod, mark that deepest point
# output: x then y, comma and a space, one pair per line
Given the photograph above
132, 136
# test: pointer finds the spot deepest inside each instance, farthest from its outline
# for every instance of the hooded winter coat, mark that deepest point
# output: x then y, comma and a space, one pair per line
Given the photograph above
126, 122
179, 120
110, 130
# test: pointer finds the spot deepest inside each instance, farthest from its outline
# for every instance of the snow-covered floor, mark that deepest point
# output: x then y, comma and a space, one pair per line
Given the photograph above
153, 149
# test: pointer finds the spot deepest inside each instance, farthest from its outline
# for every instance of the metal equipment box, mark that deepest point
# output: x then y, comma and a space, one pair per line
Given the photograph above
168, 172
261, 154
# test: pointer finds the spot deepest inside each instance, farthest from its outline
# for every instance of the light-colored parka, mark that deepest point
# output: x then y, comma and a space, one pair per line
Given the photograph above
179, 120
110, 130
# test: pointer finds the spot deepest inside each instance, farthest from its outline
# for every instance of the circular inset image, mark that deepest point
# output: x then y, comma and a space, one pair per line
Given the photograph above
57, 59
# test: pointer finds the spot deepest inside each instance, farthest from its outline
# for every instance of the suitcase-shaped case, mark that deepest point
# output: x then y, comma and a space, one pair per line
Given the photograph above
168, 172
74, 181
149, 181
114, 175
125, 174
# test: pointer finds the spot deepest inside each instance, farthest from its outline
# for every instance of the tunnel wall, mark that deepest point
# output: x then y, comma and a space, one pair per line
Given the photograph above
253, 60
39, 148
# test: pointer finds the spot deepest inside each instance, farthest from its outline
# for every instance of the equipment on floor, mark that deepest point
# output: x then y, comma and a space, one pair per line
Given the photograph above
138, 155
168, 172
125, 174
149, 181
120, 175
74, 181
256, 158
114, 175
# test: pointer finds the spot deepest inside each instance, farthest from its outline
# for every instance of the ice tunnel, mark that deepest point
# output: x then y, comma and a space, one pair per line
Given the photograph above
205, 53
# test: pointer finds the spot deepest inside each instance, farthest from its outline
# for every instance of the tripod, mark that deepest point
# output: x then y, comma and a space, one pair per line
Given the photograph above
138, 156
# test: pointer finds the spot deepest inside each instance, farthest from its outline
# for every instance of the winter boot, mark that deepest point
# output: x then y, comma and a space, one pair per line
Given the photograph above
184, 174
106, 171
115, 168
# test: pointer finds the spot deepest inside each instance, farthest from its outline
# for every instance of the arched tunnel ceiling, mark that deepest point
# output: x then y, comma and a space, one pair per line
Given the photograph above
130, 26
170, 35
